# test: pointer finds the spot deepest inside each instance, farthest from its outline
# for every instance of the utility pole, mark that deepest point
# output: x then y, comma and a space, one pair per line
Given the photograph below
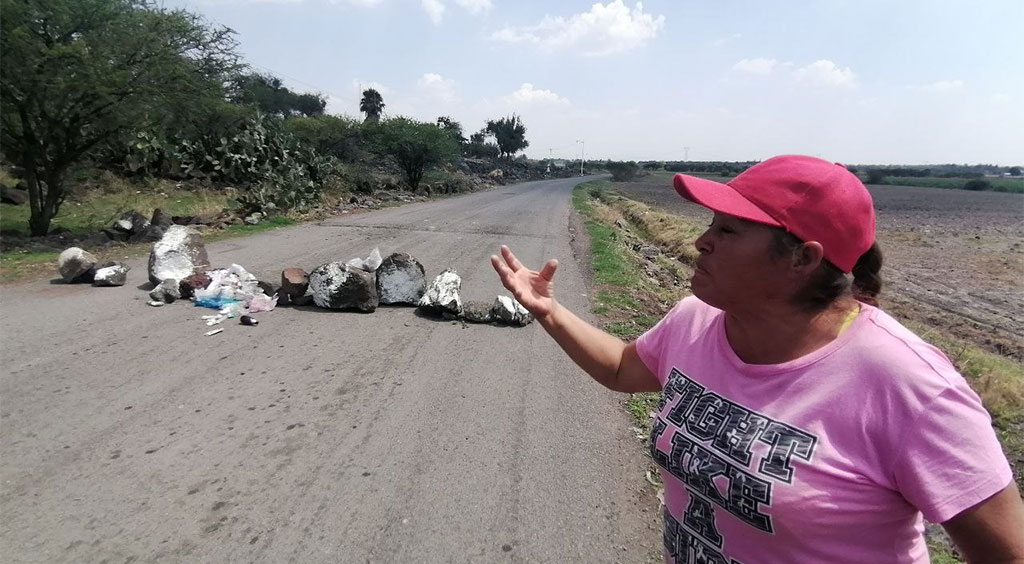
583, 149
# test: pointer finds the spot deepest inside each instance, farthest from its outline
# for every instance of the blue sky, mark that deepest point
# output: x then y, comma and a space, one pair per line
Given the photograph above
914, 82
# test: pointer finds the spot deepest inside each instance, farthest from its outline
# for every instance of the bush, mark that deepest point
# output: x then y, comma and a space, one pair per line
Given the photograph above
977, 184
622, 171
876, 176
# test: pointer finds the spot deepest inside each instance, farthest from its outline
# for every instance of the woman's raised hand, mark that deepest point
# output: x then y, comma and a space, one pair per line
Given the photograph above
531, 288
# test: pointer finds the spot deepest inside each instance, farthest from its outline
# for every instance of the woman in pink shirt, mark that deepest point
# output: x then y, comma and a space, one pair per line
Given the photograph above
798, 422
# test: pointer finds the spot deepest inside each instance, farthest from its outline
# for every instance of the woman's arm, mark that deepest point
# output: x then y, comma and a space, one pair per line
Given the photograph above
604, 357
991, 532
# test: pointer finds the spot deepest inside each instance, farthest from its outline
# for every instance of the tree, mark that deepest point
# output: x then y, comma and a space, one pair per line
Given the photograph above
510, 134
453, 128
337, 136
372, 105
270, 96
1015, 171
622, 171
415, 146
77, 74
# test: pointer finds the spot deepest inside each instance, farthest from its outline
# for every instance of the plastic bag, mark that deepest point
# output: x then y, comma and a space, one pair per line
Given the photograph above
262, 302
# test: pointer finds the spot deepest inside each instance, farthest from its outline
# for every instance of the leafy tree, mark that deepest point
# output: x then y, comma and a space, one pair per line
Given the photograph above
372, 104
1015, 171
415, 146
77, 74
271, 97
622, 171
510, 134
876, 175
337, 136
453, 128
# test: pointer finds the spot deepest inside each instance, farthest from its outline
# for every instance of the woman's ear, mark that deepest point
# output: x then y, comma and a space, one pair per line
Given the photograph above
807, 257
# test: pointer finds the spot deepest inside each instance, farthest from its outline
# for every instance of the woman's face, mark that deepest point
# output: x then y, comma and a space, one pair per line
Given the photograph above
737, 270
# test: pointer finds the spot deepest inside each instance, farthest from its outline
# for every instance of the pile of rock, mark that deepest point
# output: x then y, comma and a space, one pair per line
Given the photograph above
77, 266
179, 268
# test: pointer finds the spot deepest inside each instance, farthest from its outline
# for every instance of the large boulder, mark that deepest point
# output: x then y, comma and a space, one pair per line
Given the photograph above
509, 310
177, 255
401, 280
76, 265
442, 295
111, 274
336, 285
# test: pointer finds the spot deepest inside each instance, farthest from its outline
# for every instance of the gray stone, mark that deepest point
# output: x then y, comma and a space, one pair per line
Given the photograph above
401, 280
160, 219
177, 255
269, 288
252, 220
337, 286
294, 282
13, 196
166, 291
150, 234
508, 310
442, 294
115, 274
76, 265
477, 312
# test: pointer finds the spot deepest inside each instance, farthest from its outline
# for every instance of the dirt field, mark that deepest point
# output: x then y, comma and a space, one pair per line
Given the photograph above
954, 259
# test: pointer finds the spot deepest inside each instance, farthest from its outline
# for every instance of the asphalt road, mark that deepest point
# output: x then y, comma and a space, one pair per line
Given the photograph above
126, 435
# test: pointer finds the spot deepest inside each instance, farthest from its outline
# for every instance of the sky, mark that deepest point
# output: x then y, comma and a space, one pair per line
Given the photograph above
853, 81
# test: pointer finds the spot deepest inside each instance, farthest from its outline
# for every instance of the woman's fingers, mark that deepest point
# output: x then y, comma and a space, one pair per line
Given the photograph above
548, 272
511, 259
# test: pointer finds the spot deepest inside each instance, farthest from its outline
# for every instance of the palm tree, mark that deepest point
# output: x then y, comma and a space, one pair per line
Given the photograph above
372, 105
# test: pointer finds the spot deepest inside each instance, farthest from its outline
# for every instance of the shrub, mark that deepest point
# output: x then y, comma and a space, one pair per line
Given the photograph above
977, 184
622, 171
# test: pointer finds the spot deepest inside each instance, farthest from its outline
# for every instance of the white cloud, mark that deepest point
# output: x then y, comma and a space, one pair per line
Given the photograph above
365, 3
941, 86
756, 66
438, 87
527, 94
728, 39
434, 9
475, 7
1001, 98
604, 30
827, 73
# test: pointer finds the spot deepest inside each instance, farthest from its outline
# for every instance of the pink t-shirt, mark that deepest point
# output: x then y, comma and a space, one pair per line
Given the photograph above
832, 457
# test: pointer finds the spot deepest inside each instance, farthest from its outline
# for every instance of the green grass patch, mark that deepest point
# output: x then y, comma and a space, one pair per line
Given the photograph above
95, 210
997, 184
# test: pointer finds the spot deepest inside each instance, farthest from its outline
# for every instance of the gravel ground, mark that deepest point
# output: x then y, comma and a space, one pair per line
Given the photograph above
954, 258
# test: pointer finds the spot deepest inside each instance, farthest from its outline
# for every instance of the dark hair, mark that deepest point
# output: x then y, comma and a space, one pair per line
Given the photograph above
829, 283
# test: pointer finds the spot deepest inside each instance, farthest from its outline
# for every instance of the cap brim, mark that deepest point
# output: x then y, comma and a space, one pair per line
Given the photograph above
720, 198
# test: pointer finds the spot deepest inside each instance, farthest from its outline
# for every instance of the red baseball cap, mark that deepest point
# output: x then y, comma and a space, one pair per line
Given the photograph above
811, 198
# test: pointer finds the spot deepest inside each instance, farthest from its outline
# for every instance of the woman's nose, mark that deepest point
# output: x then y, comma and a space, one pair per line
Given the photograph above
703, 243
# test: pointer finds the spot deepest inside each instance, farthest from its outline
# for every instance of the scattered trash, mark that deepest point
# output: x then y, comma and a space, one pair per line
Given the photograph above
214, 332
262, 302
155, 303
246, 320
650, 479
215, 302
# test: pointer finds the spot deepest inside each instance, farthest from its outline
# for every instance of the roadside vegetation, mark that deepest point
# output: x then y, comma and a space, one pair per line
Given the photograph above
633, 291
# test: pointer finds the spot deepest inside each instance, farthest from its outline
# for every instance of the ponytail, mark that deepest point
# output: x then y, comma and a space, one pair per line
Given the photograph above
867, 282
